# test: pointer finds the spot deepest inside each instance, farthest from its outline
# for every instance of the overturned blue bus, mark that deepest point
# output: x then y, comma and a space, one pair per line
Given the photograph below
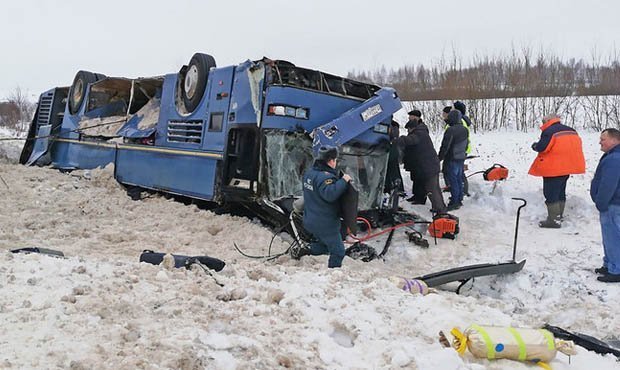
243, 133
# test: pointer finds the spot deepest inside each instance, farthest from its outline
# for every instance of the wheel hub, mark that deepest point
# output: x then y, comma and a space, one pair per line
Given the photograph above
191, 80
77, 91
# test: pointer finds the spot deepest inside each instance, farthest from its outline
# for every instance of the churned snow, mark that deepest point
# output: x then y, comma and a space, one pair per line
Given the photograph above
101, 308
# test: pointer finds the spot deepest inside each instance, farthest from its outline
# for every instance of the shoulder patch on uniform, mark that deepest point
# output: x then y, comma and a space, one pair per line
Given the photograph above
328, 181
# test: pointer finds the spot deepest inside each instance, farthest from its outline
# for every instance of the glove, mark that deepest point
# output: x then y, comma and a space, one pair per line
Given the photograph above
534, 145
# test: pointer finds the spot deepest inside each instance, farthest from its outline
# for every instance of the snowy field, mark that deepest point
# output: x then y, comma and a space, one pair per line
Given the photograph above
100, 308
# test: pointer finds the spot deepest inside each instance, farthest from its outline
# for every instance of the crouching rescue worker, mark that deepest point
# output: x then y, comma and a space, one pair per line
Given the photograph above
322, 192
560, 155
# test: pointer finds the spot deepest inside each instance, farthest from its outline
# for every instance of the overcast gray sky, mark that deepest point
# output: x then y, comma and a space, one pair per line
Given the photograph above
44, 43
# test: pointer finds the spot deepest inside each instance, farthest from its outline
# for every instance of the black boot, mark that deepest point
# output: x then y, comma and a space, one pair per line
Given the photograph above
298, 252
609, 278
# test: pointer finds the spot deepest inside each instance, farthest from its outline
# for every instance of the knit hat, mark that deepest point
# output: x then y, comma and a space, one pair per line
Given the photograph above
416, 113
454, 117
460, 106
447, 109
327, 153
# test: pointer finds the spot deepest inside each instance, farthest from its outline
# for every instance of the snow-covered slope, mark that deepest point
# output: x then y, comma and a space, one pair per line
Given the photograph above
101, 308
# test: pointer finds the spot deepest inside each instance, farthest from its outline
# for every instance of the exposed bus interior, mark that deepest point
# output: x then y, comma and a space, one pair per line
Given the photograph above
114, 102
286, 73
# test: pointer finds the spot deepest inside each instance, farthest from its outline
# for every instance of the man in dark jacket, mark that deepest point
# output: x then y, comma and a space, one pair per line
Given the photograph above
393, 178
605, 193
460, 106
420, 159
444, 171
452, 152
322, 191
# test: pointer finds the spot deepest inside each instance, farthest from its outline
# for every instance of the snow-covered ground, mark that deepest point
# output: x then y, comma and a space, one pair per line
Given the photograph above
101, 308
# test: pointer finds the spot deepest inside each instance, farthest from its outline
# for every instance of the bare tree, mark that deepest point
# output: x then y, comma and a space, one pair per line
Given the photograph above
22, 109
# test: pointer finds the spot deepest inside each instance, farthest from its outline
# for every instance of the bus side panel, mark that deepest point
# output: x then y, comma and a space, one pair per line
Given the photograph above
73, 154
192, 175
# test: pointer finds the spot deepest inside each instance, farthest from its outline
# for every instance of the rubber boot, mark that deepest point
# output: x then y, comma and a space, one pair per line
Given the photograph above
562, 205
553, 217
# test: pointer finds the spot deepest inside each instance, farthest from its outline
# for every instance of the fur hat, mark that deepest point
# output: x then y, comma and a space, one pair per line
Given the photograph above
327, 153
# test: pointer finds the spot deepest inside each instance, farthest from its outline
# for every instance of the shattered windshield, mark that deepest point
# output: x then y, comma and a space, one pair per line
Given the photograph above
289, 154
367, 167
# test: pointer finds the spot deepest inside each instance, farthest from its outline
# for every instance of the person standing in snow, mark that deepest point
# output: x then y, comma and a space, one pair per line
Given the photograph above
322, 192
452, 152
460, 106
393, 178
560, 155
421, 160
444, 116
605, 193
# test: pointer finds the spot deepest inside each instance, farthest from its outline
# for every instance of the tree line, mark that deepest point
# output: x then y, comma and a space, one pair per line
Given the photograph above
594, 112
522, 73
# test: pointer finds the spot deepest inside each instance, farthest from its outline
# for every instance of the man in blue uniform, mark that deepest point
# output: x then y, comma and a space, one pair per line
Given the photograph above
605, 192
322, 191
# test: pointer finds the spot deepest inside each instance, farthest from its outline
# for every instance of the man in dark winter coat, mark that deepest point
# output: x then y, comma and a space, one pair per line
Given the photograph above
393, 178
560, 155
452, 152
444, 171
322, 191
460, 106
605, 192
420, 159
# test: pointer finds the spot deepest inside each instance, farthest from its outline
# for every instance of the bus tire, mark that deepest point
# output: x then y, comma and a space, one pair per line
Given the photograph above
194, 81
78, 89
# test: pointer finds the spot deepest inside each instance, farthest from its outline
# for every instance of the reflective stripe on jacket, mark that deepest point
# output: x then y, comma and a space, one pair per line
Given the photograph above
467, 126
560, 151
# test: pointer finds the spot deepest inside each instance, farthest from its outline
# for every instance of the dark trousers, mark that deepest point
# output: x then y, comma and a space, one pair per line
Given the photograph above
554, 189
424, 187
444, 172
328, 242
393, 178
418, 189
454, 169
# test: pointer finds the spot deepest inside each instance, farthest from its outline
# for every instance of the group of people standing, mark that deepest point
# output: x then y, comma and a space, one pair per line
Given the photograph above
420, 158
559, 155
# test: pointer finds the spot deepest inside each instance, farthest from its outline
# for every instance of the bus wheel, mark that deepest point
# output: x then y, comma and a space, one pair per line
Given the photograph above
194, 80
78, 89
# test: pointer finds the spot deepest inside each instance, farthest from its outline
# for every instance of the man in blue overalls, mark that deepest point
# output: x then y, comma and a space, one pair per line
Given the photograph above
322, 191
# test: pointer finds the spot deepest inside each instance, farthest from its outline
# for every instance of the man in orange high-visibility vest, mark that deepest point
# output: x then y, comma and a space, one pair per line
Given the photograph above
560, 155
